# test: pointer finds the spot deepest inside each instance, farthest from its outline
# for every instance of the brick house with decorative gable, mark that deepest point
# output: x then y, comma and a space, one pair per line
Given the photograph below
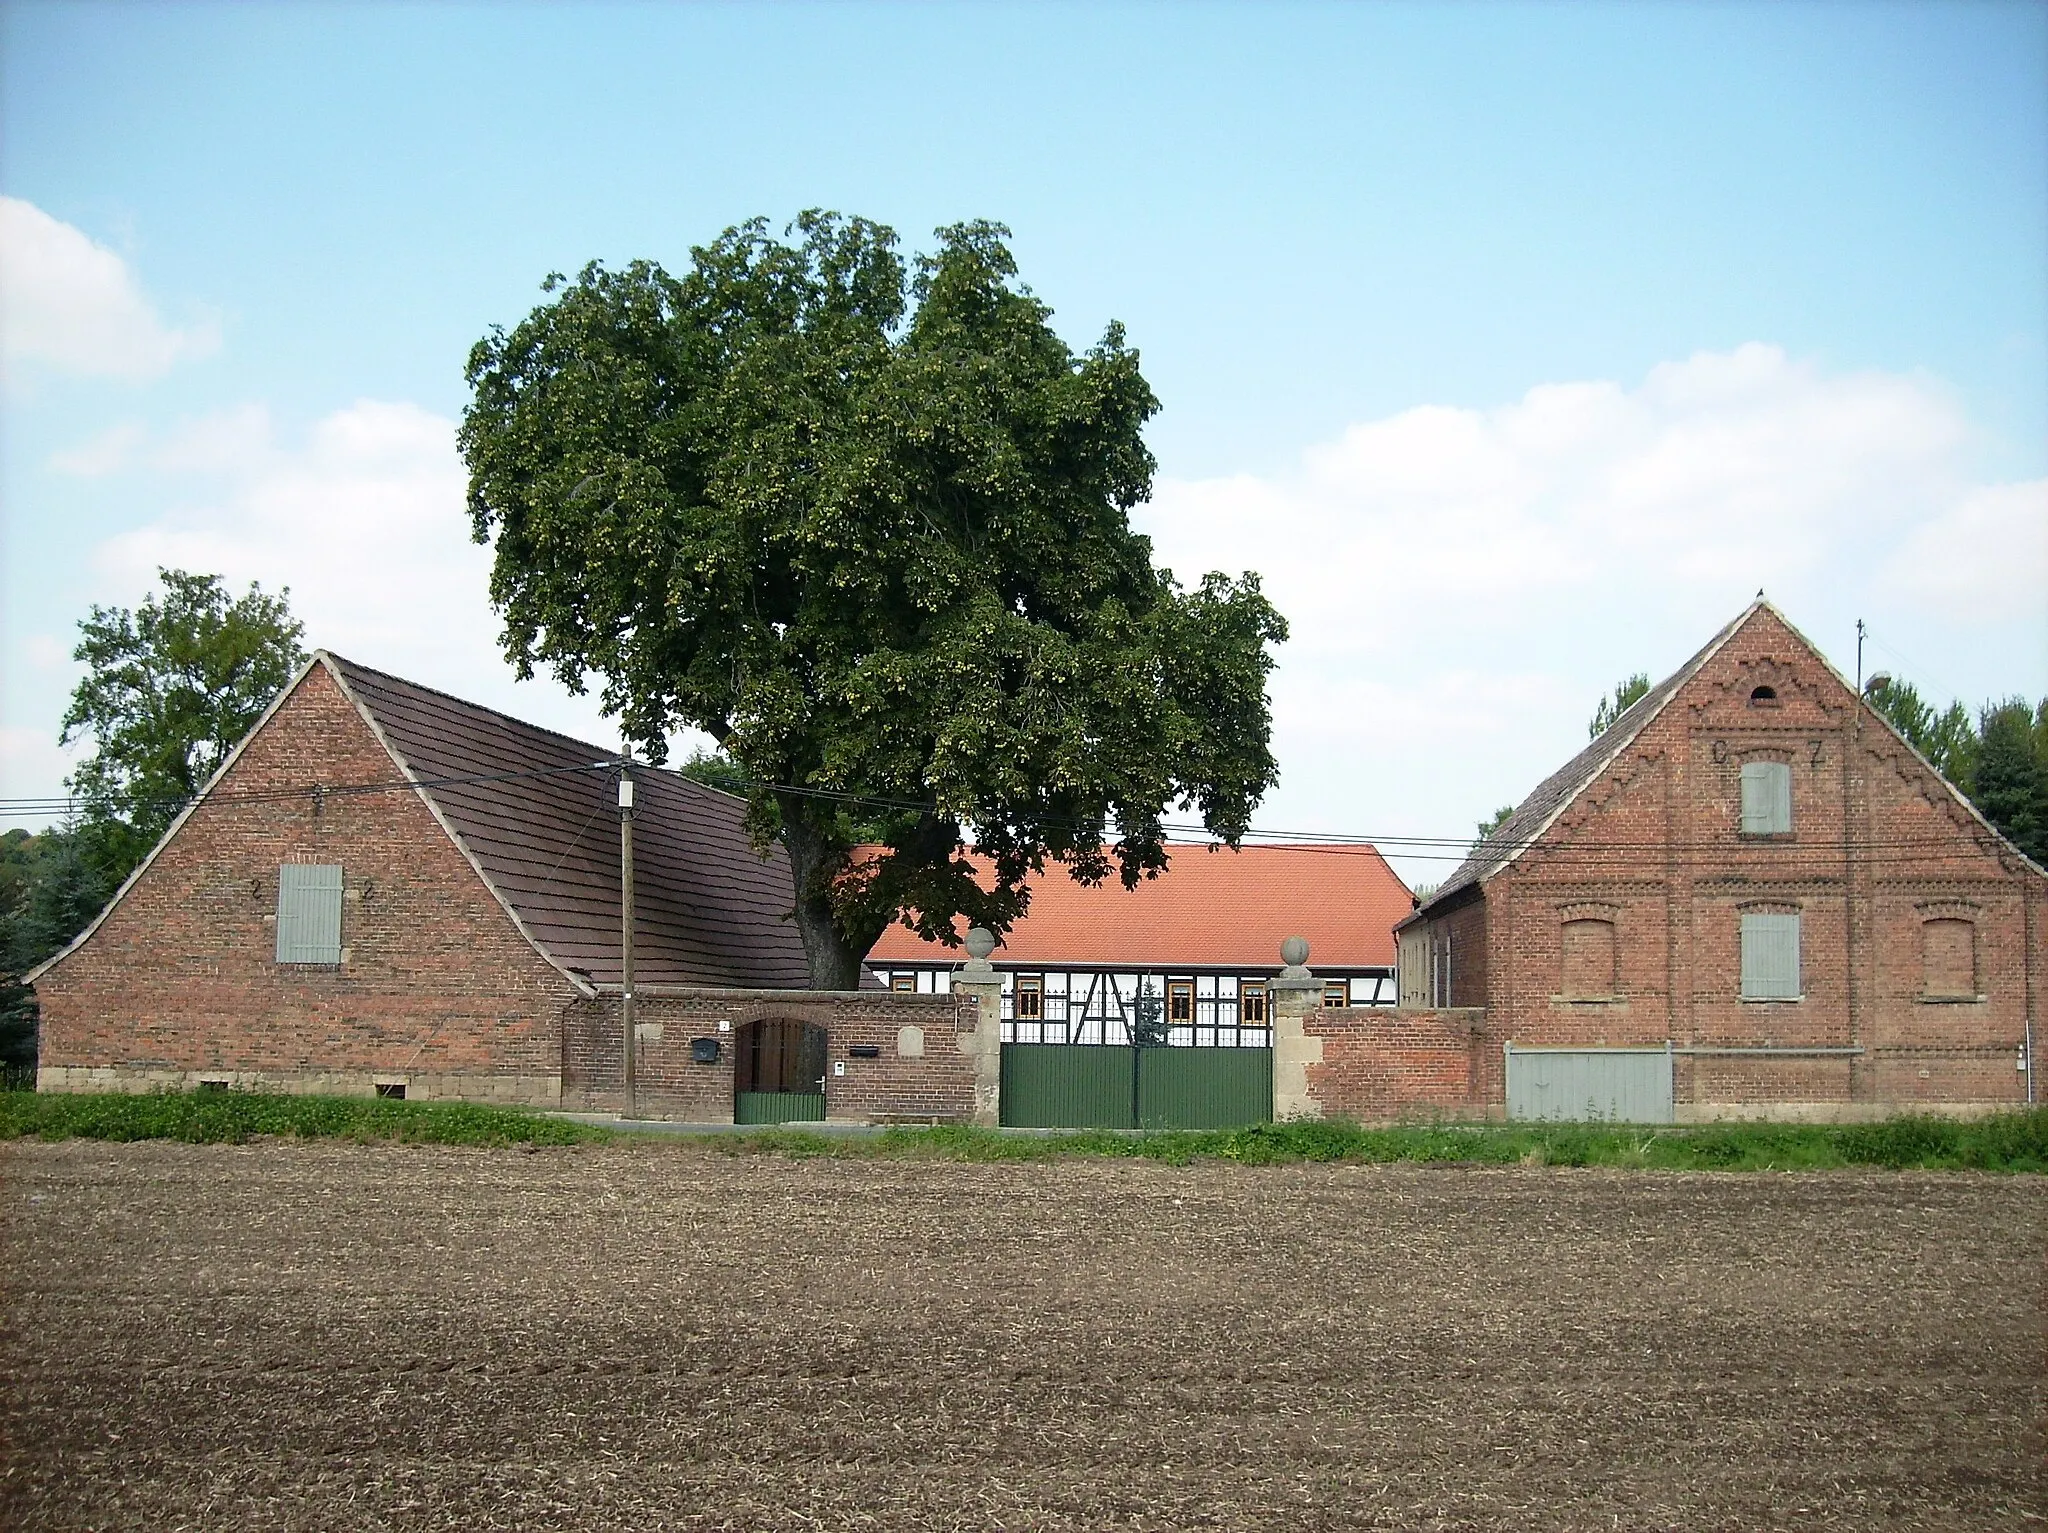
1753, 875
387, 888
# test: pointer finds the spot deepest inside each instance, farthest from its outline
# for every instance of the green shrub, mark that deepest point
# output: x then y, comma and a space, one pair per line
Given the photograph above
1899, 1142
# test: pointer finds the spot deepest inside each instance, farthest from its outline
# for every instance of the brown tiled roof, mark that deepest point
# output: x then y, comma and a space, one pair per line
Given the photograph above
710, 910
1533, 815
1211, 908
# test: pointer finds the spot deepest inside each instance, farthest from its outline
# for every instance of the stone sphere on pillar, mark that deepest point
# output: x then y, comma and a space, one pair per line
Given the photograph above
980, 942
1294, 952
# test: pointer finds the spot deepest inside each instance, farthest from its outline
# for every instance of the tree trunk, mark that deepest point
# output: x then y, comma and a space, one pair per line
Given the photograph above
832, 956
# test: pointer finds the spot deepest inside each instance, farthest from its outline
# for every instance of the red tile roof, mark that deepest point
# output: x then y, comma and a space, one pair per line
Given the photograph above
1212, 908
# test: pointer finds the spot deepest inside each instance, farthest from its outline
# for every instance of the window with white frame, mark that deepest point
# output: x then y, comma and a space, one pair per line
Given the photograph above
1770, 956
1766, 798
1029, 998
309, 912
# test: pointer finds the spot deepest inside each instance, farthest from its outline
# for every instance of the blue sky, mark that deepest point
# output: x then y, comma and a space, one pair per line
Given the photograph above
1518, 345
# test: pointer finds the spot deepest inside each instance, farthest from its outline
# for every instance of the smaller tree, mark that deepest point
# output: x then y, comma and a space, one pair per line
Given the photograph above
1626, 692
2010, 783
1948, 739
50, 889
172, 687
1148, 1026
715, 769
1494, 821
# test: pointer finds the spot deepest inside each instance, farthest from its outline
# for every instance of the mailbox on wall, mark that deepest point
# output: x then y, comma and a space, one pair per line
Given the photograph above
704, 1050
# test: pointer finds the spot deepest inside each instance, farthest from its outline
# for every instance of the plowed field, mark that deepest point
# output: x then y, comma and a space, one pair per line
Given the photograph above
647, 1336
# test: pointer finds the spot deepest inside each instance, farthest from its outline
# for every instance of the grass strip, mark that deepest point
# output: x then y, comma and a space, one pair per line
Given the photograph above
2007, 1142
233, 1117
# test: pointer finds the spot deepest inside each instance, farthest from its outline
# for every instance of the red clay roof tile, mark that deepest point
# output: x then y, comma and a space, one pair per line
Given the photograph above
1211, 908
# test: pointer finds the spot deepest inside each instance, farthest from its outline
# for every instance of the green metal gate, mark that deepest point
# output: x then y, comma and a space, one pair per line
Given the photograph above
1111, 1085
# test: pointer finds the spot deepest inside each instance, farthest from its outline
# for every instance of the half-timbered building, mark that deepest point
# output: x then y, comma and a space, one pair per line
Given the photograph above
1194, 948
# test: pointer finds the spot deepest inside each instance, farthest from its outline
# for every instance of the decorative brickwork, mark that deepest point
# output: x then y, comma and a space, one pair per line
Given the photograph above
1879, 848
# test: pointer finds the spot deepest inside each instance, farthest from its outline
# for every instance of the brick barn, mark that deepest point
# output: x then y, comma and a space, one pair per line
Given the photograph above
1750, 897
389, 889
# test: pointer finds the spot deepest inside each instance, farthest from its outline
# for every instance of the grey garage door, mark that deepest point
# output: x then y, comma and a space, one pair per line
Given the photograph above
1590, 1085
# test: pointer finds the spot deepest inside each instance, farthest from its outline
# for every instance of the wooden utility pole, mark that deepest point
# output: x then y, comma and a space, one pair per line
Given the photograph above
628, 1058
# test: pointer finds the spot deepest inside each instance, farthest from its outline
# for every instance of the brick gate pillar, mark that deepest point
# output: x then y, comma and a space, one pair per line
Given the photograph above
984, 1046
1295, 993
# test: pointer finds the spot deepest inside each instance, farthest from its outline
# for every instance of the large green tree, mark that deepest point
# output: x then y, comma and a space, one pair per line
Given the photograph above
866, 525
169, 690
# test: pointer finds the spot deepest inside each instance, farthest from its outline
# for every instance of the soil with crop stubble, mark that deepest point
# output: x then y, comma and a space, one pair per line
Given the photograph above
334, 1336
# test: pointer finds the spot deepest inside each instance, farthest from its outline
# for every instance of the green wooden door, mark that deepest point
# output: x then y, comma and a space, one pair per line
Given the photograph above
779, 1072
1092, 1085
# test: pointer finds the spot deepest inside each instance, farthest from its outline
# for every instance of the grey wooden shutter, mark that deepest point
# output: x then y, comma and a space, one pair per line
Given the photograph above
309, 912
1766, 798
1770, 957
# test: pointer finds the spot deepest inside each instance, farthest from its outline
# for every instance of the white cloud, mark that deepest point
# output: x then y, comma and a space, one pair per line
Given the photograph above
109, 452
365, 521
1984, 558
1464, 584
33, 765
46, 652
72, 304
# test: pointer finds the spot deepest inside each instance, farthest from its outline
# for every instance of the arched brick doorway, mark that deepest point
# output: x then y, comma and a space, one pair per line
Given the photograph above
778, 1072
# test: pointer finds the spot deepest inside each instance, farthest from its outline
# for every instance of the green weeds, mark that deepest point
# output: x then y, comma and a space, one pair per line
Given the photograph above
2009, 1142
232, 1117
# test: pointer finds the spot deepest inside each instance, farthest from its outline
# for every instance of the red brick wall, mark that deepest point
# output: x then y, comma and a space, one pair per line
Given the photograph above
937, 1084
1381, 1065
180, 979
1878, 848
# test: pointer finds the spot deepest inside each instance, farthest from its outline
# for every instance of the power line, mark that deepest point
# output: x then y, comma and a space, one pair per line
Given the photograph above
1590, 855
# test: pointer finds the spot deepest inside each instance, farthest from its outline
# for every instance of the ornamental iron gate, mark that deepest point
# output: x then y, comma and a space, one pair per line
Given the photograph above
1114, 1085
1590, 1085
778, 1073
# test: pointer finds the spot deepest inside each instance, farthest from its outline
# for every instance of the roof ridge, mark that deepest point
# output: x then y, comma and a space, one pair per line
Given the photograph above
462, 702
1509, 840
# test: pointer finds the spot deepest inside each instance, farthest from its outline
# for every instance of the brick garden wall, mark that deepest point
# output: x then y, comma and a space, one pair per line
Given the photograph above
179, 983
1381, 1065
938, 1083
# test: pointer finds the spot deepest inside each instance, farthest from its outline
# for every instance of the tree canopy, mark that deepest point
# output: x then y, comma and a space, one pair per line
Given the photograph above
1628, 691
1999, 759
1493, 822
171, 688
866, 524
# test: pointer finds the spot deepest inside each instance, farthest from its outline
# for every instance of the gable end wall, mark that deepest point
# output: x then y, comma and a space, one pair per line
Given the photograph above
1654, 842
178, 983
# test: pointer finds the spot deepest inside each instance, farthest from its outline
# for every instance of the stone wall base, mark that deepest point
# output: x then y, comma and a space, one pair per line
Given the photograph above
543, 1091
1832, 1112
